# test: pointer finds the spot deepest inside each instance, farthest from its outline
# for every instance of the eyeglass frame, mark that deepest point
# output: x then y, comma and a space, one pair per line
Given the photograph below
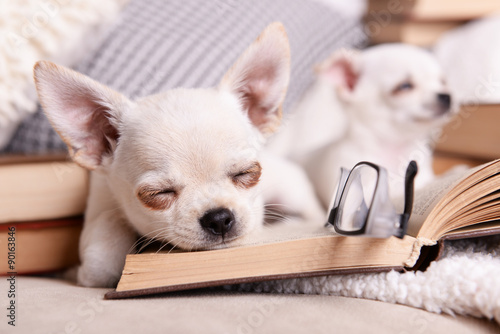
400, 231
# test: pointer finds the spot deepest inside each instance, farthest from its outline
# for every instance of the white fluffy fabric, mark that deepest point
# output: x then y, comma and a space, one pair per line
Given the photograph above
59, 30
466, 281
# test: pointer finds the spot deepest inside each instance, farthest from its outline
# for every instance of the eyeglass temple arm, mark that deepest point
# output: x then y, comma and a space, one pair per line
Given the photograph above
344, 174
411, 172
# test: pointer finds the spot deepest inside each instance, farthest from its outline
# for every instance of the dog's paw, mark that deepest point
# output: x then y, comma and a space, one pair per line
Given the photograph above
90, 277
71, 274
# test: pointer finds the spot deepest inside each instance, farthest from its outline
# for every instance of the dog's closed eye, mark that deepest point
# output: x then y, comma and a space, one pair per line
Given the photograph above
156, 199
247, 177
404, 86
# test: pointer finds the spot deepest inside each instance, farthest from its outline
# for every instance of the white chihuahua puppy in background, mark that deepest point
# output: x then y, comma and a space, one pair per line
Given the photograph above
380, 105
181, 167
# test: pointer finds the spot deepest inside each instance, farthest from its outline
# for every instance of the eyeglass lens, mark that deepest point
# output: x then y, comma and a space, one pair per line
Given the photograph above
357, 198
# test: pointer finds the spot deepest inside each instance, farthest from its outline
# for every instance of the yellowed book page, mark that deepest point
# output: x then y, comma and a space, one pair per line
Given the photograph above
444, 214
484, 201
426, 199
290, 257
434, 204
479, 229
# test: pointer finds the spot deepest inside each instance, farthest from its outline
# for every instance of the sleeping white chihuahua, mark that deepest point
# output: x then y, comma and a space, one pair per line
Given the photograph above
380, 105
181, 167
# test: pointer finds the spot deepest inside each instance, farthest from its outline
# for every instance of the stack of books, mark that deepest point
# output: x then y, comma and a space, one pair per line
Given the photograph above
421, 22
470, 138
42, 201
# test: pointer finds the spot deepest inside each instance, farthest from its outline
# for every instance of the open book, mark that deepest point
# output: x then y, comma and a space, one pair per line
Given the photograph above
458, 205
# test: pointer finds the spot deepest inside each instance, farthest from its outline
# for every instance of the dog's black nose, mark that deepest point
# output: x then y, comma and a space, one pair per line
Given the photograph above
444, 100
218, 221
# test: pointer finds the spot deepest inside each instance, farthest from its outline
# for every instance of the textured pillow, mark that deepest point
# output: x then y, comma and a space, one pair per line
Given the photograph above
158, 45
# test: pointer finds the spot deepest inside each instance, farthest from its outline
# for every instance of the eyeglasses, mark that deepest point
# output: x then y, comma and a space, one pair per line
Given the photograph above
362, 205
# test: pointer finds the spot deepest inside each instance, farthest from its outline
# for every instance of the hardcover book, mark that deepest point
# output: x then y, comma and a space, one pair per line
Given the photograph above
473, 132
39, 246
34, 190
422, 22
436, 10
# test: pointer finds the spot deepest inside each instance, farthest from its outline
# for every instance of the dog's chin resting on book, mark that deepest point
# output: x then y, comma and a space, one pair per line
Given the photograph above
183, 166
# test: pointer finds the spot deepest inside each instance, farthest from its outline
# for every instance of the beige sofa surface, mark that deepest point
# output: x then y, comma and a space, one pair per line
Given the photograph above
47, 305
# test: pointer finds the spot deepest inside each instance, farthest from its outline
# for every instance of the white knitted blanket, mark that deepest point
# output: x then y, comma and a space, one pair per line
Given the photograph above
31, 30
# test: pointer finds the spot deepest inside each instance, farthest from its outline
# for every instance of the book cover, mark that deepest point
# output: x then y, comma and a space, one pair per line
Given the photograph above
39, 246
41, 190
473, 133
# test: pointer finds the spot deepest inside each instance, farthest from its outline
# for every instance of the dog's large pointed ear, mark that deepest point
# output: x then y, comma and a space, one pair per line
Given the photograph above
260, 78
342, 70
85, 113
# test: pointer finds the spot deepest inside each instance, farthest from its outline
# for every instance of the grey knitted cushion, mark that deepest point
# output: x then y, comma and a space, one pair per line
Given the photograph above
158, 45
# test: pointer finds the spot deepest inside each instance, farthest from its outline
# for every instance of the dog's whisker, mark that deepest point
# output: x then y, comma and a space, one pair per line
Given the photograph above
150, 237
141, 239
163, 246
276, 217
150, 241
275, 205
274, 213
174, 246
169, 243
